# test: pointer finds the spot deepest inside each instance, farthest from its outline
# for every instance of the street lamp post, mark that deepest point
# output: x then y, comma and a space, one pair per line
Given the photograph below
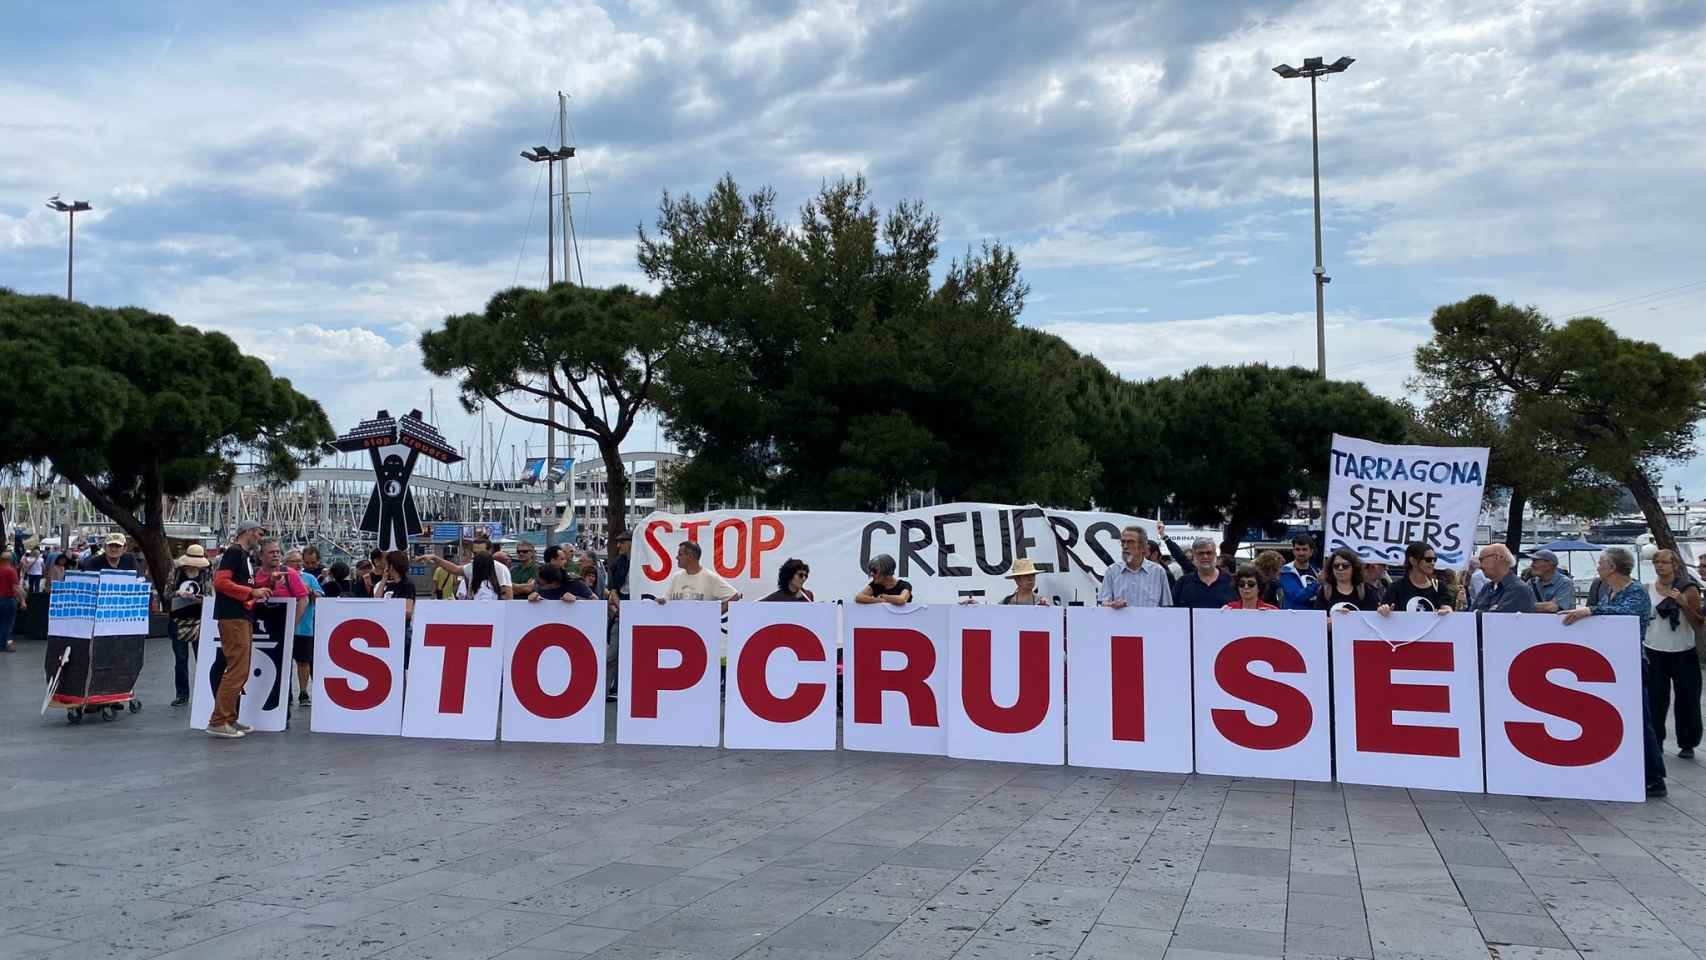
71, 210
550, 157
1313, 67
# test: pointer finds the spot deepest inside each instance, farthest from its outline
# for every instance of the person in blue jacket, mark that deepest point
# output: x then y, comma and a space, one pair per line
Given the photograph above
1300, 579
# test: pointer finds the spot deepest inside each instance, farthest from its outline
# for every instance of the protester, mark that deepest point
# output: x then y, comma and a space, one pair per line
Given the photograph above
1477, 578
591, 571
311, 563
1343, 587
1553, 593
482, 583
523, 570
1374, 574
1417, 591
58, 568
1248, 581
1269, 563
1451, 588
34, 568
695, 582
1622, 596
501, 583
791, 583
1206, 587
367, 581
1670, 651
189, 587
1504, 591
448, 584
398, 586
1024, 577
302, 650
1154, 555
112, 557
1136, 580
619, 566
12, 599
548, 585
338, 583
1300, 581
234, 598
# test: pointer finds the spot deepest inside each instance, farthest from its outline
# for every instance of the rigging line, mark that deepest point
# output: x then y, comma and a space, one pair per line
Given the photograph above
1633, 301
538, 180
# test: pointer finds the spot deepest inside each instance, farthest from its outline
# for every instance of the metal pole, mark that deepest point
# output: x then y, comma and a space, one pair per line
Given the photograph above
550, 401
1320, 286
70, 253
562, 147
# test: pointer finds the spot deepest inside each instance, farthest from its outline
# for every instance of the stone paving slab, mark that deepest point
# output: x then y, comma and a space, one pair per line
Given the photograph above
140, 838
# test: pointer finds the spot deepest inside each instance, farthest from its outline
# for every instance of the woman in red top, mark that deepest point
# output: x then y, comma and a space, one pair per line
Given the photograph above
1249, 584
12, 599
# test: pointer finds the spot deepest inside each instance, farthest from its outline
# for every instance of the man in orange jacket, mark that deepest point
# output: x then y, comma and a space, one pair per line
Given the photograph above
234, 598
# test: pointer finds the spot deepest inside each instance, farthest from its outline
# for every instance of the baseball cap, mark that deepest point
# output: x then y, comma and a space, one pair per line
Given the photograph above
115, 540
1543, 555
624, 535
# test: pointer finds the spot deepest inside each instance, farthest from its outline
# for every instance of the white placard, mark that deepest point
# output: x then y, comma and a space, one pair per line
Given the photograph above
265, 704
894, 678
1261, 693
1006, 696
553, 678
1382, 497
1407, 700
71, 606
780, 692
1563, 706
672, 648
455, 670
122, 604
358, 666
1129, 688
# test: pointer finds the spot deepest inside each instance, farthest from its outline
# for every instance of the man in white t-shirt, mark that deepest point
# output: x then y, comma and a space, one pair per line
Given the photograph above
482, 544
694, 582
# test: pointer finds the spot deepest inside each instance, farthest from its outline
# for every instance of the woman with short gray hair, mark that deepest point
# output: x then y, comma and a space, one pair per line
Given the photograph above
1620, 595
884, 587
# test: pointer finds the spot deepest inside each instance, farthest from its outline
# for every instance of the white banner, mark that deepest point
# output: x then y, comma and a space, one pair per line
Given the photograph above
947, 552
1563, 706
895, 680
1381, 497
455, 670
122, 603
1262, 703
780, 692
668, 673
553, 684
1006, 696
358, 666
1130, 684
1407, 700
265, 704
71, 605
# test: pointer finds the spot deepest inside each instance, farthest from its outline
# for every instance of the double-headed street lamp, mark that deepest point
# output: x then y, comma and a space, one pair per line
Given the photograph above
1313, 68
72, 209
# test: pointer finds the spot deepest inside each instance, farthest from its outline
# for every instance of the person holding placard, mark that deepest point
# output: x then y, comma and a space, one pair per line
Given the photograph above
1301, 578
1024, 577
1553, 593
113, 556
791, 583
884, 587
1504, 591
694, 582
189, 588
1206, 587
234, 598
1621, 595
1343, 587
1135, 580
1418, 591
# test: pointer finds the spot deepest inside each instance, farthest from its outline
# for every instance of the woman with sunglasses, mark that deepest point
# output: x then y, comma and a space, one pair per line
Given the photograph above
1418, 591
1249, 583
1342, 586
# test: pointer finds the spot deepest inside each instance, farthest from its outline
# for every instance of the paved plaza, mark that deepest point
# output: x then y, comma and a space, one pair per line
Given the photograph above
139, 838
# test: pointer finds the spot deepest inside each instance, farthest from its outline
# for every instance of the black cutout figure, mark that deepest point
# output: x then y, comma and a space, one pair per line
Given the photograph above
394, 445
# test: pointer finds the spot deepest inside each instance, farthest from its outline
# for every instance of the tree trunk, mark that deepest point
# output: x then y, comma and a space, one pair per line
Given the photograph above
615, 489
1641, 487
1232, 535
1513, 525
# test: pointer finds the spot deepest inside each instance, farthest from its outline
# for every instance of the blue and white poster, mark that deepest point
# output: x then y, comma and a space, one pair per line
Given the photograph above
121, 605
71, 606
1381, 497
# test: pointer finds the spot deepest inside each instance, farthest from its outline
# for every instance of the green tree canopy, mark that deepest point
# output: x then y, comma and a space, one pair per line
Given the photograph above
821, 366
1568, 410
595, 352
132, 408
1234, 447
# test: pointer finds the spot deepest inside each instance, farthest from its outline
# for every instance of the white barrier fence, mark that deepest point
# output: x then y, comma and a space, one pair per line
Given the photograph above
1513, 704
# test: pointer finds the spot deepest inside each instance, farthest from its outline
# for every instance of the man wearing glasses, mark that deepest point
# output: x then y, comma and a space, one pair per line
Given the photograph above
1552, 593
523, 571
1505, 592
1134, 580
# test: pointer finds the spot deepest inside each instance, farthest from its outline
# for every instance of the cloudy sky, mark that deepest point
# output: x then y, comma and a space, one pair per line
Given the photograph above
324, 181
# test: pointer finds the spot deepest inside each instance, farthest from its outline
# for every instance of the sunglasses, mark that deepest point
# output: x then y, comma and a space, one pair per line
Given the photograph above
1430, 559
1247, 583
1341, 565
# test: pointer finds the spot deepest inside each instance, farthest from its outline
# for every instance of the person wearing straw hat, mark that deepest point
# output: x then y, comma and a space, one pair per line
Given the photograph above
1024, 577
189, 586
